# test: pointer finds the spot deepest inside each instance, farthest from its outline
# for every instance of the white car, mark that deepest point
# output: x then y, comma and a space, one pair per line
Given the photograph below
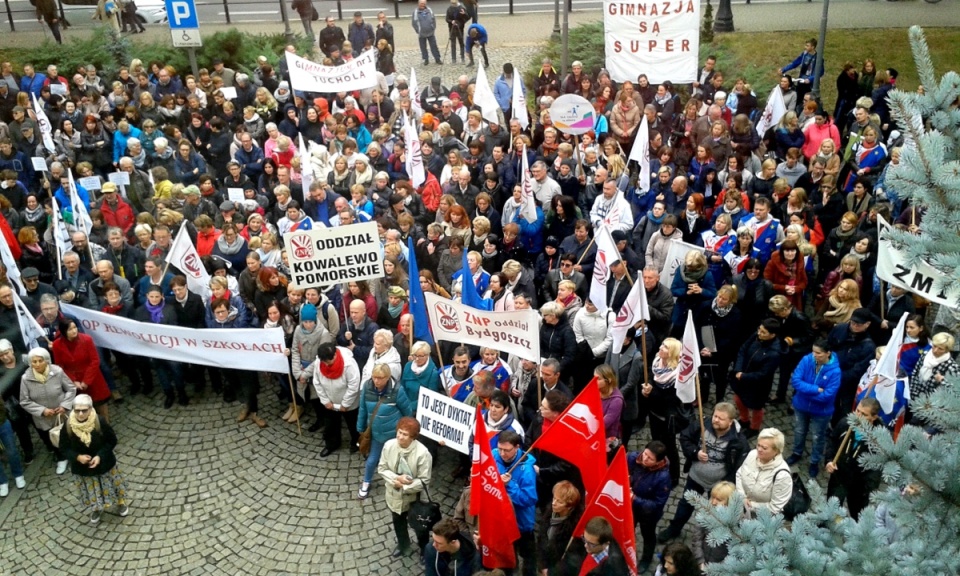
148, 11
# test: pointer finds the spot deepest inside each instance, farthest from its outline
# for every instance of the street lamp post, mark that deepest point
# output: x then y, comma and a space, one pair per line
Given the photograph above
724, 20
287, 32
821, 44
556, 18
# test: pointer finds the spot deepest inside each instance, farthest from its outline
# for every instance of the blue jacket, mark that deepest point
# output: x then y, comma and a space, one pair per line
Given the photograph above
411, 382
22, 165
120, 142
807, 383
690, 301
482, 38
363, 138
33, 85
807, 63
503, 91
651, 489
394, 406
183, 169
251, 161
63, 199
531, 233
522, 489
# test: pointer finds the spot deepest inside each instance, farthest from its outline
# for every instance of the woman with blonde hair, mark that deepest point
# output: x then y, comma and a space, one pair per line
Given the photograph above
703, 552
611, 400
665, 409
764, 478
841, 303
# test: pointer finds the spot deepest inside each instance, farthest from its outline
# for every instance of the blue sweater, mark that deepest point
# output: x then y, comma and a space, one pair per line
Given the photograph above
807, 383
522, 489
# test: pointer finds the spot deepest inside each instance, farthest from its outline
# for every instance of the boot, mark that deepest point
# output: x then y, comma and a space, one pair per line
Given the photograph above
258, 420
169, 400
286, 415
182, 398
295, 414
244, 413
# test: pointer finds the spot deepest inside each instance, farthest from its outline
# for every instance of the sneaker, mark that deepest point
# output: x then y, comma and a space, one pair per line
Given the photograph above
364, 490
814, 470
793, 459
4, 490
61, 467
123, 510
20, 482
95, 517
28, 458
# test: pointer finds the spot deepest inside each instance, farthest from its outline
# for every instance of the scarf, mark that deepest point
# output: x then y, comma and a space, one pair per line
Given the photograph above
692, 276
839, 312
496, 425
156, 312
692, 219
861, 257
229, 249
395, 311
661, 100
418, 370
140, 160
930, 362
845, 235
41, 377
568, 300
272, 324
82, 430
339, 178
335, 370
34, 215
112, 310
555, 522
721, 312
663, 376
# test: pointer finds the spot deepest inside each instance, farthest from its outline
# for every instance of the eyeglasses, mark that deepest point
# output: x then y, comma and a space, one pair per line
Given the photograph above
589, 544
81, 410
566, 265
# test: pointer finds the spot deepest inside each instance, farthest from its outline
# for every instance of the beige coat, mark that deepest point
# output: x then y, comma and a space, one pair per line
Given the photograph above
755, 481
414, 461
35, 397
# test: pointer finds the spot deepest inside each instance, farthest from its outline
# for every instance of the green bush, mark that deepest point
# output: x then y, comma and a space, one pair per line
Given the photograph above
108, 51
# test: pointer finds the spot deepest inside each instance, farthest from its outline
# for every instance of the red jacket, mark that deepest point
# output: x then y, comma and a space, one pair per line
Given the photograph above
81, 363
780, 276
430, 192
206, 241
122, 217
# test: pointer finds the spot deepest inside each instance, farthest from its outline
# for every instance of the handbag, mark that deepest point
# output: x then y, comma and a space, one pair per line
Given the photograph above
799, 499
366, 437
56, 431
314, 15
12, 405
423, 515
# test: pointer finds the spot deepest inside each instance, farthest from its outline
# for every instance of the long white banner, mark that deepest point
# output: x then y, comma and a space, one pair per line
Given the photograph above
517, 332
445, 420
242, 349
325, 256
660, 38
357, 74
894, 266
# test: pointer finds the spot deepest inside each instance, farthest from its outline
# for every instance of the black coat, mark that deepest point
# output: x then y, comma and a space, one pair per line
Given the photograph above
190, 314
854, 352
757, 361
102, 443
558, 342
551, 550
850, 475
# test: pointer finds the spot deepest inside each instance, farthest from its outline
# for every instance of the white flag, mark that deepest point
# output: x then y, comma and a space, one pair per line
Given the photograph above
641, 153
528, 206
414, 159
29, 328
13, 270
607, 253
634, 309
306, 169
81, 217
183, 256
484, 98
61, 237
414, 92
773, 112
518, 103
689, 363
46, 132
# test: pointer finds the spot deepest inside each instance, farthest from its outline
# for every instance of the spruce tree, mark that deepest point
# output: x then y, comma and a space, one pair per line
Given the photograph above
921, 470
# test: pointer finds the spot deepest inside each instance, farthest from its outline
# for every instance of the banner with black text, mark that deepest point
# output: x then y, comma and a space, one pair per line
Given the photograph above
516, 332
894, 266
357, 74
445, 420
660, 38
325, 256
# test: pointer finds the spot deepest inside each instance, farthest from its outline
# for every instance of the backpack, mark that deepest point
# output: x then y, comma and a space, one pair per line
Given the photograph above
799, 501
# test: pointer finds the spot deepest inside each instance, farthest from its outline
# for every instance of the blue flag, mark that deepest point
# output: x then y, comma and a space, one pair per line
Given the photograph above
418, 306
468, 289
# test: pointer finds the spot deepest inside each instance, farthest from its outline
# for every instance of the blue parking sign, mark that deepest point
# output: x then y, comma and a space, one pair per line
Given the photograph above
182, 14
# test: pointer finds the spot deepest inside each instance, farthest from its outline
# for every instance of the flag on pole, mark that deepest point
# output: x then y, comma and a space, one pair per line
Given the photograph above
641, 153
888, 364
418, 306
528, 205
81, 216
578, 436
612, 501
518, 102
607, 254
689, 363
484, 98
46, 131
184, 257
10, 263
61, 237
490, 503
414, 91
468, 288
29, 328
306, 169
634, 309
414, 157
772, 112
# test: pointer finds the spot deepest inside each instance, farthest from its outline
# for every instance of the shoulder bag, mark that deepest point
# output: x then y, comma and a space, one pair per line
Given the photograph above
366, 437
57, 430
423, 515
799, 499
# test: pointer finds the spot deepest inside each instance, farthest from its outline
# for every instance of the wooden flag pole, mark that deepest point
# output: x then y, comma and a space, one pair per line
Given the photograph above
703, 433
883, 304
846, 437
293, 397
587, 249
643, 350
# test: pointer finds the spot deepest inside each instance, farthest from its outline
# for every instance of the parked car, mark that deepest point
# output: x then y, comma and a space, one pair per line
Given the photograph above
148, 11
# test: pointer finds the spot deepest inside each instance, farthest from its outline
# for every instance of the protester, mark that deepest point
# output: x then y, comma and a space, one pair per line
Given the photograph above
47, 394
405, 466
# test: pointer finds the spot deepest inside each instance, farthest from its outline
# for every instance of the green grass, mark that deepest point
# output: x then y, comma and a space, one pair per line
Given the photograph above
757, 56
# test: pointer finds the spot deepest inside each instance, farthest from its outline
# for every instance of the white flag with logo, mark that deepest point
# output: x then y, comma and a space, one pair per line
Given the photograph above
184, 257
689, 363
306, 168
414, 92
607, 253
772, 112
641, 153
528, 206
887, 367
414, 158
484, 98
634, 310
81, 216
61, 237
29, 328
46, 131
518, 102
13, 270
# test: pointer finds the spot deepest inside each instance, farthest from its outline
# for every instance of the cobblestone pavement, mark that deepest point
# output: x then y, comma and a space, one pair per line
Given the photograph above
210, 496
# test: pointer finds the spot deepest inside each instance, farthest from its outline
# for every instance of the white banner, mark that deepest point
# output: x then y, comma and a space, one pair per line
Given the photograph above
607, 254
184, 257
894, 266
484, 98
241, 349
772, 112
325, 256
357, 74
516, 332
658, 38
678, 251
445, 420
518, 103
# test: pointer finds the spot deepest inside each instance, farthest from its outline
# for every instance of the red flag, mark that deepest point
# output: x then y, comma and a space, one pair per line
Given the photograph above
577, 436
491, 504
612, 501
10, 237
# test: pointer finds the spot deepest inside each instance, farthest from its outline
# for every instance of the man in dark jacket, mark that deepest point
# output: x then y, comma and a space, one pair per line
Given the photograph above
726, 449
332, 36
596, 553
849, 480
796, 339
752, 375
450, 552
549, 380
660, 303
851, 343
359, 33
357, 332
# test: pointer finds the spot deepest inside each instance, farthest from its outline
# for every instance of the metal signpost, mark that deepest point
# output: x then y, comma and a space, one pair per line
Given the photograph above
185, 28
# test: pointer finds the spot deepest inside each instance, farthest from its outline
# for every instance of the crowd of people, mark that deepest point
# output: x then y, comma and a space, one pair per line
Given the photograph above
784, 292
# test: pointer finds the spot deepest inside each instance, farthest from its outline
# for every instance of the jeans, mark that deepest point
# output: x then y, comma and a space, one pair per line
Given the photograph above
802, 421
370, 466
308, 27
170, 375
13, 453
456, 41
433, 48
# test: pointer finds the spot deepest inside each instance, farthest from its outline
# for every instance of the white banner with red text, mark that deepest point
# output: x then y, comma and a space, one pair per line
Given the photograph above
240, 349
516, 332
325, 256
659, 38
357, 74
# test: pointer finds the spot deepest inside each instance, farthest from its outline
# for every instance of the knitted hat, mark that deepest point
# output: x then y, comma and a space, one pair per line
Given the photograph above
308, 313
397, 292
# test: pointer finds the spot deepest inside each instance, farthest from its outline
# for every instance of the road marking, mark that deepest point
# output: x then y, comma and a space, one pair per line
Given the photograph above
251, 12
